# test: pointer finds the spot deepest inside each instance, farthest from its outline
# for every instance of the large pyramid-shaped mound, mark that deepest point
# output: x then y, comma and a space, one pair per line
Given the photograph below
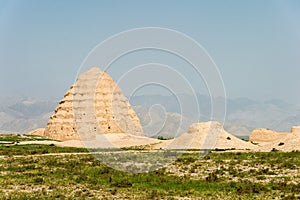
93, 105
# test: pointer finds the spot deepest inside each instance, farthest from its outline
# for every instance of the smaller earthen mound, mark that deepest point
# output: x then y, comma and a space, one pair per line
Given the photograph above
206, 135
37, 132
289, 143
265, 135
295, 130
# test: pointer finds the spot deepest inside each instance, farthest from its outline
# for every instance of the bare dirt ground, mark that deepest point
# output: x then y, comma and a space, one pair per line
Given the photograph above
118, 140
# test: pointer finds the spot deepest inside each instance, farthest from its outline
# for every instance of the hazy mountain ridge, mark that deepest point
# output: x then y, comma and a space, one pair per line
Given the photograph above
242, 114
157, 123
22, 115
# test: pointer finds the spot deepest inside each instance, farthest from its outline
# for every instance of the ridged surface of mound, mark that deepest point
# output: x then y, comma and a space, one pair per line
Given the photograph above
93, 105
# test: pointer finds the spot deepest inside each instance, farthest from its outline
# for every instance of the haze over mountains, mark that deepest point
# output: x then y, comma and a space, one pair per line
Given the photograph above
243, 115
21, 115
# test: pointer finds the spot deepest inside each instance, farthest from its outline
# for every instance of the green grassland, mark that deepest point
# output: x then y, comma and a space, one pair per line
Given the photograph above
20, 137
50, 172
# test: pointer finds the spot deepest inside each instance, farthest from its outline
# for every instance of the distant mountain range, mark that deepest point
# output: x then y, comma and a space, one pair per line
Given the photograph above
161, 115
242, 116
21, 115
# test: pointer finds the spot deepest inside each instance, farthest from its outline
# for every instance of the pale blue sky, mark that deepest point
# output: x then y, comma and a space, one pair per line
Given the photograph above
255, 44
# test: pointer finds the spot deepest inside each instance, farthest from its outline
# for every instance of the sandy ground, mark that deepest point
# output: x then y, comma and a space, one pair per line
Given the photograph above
118, 140
221, 140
